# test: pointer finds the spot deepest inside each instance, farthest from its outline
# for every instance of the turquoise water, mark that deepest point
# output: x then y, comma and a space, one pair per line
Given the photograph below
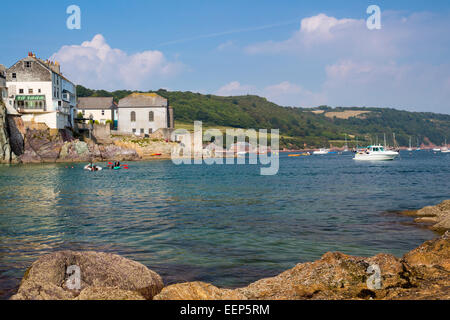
223, 224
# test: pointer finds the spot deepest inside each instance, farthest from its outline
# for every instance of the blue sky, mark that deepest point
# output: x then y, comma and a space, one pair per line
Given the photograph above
299, 53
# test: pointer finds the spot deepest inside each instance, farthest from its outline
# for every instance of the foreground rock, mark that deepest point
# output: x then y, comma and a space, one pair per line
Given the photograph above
197, 291
103, 276
437, 217
423, 273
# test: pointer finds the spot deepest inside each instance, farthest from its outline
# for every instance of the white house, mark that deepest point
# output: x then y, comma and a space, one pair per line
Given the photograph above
144, 113
101, 109
40, 93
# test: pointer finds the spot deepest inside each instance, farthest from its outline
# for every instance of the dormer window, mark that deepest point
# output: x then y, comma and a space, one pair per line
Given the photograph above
27, 64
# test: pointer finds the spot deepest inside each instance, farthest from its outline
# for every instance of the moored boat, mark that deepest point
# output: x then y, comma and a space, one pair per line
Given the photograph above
376, 153
321, 151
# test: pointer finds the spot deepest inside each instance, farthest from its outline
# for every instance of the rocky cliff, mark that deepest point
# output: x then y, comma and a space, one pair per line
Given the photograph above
5, 148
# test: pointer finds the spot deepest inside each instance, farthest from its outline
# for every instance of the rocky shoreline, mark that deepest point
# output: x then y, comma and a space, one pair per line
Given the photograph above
423, 273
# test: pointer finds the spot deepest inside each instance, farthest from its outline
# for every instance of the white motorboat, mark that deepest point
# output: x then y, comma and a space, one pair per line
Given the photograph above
437, 149
376, 153
321, 151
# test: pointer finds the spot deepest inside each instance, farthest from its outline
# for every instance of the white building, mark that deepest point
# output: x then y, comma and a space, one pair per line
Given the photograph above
144, 113
101, 109
40, 93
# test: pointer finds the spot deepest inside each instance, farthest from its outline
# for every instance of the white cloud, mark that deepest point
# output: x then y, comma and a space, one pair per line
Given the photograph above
402, 65
96, 65
225, 45
235, 88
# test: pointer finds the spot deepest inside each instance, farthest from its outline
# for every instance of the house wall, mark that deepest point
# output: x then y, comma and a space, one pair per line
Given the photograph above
142, 119
97, 114
59, 112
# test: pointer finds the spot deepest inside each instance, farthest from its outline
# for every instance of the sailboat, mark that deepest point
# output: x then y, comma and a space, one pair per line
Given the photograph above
346, 146
418, 145
445, 148
410, 148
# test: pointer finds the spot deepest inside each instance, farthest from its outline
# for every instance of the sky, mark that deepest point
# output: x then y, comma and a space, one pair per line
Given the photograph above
295, 53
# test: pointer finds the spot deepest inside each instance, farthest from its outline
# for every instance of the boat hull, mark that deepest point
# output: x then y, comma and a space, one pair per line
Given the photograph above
375, 157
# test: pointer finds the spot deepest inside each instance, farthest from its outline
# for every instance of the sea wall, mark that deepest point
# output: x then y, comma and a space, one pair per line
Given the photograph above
420, 274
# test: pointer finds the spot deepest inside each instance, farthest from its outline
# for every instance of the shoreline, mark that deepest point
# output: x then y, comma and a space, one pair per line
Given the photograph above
422, 273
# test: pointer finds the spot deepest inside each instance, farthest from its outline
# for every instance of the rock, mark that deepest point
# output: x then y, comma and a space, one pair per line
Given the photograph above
101, 273
105, 293
335, 276
436, 217
75, 151
5, 148
197, 291
422, 273
41, 146
431, 254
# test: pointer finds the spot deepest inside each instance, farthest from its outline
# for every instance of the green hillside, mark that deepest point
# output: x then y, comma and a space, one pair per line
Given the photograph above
302, 127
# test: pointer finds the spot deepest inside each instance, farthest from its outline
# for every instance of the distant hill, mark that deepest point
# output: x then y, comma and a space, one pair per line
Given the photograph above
300, 127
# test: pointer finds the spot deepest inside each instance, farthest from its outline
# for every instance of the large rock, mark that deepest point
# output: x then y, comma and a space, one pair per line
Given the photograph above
335, 276
438, 217
197, 291
423, 273
42, 146
102, 275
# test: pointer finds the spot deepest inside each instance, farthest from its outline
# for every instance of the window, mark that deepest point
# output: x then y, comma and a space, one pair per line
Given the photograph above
39, 90
133, 116
20, 90
103, 112
27, 64
142, 131
134, 130
59, 103
14, 76
30, 91
150, 130
84, 112
151, 116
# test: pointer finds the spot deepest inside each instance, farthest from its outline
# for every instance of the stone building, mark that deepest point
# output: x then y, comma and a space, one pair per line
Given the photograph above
101, 109
40, 93
144, 113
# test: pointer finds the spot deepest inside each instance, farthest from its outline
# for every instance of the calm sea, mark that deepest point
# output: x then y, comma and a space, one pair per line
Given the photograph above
223, 224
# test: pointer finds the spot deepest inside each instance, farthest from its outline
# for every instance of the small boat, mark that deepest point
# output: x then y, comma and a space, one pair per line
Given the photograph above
294, 155
376, 153
156, 154
437, 149
321, 151
92, 168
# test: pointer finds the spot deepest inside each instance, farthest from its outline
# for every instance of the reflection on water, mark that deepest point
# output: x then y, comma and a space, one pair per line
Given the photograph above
222, 224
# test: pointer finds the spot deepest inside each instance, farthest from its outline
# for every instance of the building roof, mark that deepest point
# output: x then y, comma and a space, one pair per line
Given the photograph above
49, 65
142, 100
96, 103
